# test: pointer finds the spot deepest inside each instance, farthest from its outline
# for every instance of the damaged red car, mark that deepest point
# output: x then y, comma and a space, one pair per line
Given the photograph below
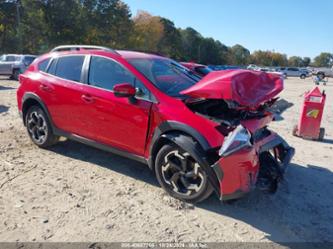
198, 135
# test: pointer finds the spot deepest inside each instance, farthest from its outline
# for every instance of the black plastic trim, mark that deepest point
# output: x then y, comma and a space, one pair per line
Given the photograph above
236, 195
30, 95
186, 143
100, 146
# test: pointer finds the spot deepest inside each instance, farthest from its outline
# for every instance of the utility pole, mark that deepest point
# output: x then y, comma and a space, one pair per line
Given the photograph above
18, 17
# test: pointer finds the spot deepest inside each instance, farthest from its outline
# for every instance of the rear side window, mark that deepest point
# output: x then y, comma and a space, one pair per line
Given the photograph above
42, 65
69, 67
12, 58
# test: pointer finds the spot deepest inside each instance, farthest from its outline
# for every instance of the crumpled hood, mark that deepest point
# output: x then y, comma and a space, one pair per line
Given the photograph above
247, 88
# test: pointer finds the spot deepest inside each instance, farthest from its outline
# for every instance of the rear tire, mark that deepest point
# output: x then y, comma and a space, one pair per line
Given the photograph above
180, 175
39, 127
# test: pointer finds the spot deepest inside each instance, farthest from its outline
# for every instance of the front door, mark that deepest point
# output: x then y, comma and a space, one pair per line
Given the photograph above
118, 122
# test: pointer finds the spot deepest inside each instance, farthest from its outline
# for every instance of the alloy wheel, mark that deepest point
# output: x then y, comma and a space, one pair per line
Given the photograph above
37, 127
182, 173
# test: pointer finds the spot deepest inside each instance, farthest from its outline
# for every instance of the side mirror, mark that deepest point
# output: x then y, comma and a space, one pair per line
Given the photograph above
124, 90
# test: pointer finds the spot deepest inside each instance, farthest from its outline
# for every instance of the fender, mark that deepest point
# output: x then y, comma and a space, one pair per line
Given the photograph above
173, 126
177, 126
32, 96
195, 150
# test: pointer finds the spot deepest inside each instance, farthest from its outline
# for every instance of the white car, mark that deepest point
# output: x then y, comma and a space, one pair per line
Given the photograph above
323, 72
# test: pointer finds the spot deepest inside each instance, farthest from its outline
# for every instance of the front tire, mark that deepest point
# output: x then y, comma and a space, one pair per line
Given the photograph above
303, 76
180, 175
39, 127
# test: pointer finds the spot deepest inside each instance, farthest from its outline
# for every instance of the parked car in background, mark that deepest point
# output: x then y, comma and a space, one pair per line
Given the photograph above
199, 69
14, 64
198, 135
223, 67
253, 67
294, 72
323, 72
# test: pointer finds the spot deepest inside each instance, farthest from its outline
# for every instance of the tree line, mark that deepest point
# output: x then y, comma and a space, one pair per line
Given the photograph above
36, 26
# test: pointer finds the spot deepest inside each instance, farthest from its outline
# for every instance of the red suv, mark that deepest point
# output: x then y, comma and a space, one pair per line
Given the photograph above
197, 134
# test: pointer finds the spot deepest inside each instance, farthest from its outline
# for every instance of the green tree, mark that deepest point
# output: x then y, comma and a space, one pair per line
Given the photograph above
148, 31
191, 44
295, 61
268, 58
306, 61
170, 43
209, 52
106, 22
63, 22
8, 26
239, 55
323, 60
33, 27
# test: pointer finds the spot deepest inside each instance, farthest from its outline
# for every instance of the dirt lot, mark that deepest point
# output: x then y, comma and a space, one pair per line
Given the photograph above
72, 192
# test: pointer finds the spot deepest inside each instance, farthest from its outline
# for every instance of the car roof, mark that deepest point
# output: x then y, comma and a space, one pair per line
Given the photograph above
12, 54
127, 54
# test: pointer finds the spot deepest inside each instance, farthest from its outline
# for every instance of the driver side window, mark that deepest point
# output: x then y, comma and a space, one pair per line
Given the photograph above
105, 73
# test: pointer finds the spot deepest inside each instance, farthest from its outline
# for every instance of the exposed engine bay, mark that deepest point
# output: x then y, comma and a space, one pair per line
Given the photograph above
226, 113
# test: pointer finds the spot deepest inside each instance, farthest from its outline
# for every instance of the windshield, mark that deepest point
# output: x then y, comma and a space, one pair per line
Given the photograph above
167, 75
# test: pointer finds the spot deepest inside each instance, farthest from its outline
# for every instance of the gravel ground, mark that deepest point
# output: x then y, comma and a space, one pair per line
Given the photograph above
72, 192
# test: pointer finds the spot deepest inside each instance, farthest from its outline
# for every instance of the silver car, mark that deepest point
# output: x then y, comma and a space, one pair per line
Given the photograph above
15, 64
294, 72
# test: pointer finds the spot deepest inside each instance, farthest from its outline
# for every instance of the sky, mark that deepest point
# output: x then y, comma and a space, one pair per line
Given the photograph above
293, 27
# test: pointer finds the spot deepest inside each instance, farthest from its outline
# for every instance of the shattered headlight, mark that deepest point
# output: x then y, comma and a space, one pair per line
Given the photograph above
236, 140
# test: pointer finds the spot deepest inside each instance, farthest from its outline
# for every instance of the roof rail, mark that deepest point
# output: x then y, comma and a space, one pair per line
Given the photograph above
81, 47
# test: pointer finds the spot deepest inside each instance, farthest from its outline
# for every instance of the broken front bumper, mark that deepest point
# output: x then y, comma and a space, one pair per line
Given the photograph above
262, 165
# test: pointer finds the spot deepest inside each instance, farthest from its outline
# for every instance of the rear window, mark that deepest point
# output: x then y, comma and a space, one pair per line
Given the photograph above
69, 67
43, 65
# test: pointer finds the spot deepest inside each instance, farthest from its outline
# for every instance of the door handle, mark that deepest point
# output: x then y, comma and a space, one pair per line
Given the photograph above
87, 98
45, 88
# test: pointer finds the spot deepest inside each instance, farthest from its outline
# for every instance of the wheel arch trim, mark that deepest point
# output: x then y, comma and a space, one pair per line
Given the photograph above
32, 96
180, 134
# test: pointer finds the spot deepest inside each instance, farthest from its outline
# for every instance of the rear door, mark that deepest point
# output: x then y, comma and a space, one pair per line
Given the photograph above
62, 89
119, 122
